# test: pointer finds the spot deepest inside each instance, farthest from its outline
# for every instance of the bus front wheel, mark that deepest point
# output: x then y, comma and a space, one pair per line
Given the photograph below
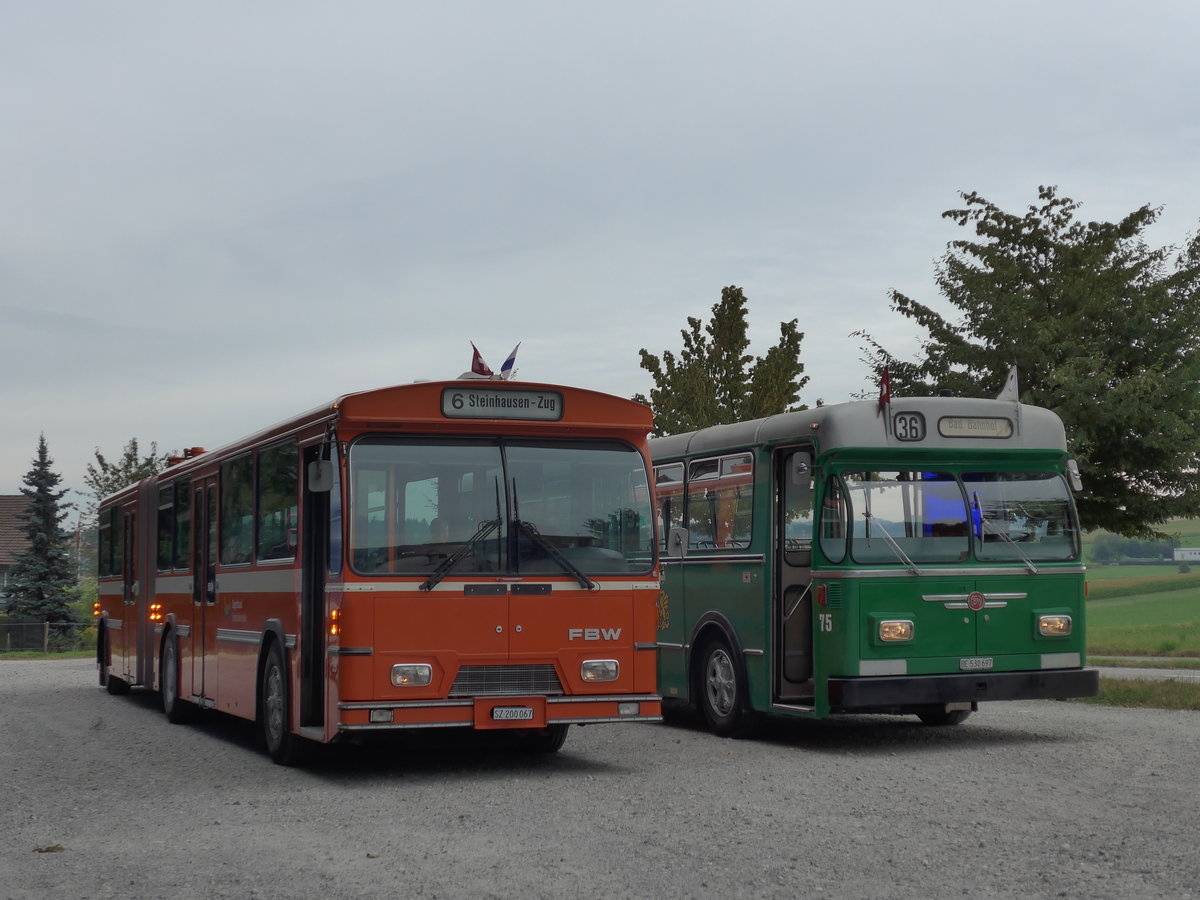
282, 746
175, 707
110, 682
944, 717
722, 693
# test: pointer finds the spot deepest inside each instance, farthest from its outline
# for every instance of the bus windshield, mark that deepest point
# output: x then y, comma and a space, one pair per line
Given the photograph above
912, 517
1021, 515
501, 507
898, 514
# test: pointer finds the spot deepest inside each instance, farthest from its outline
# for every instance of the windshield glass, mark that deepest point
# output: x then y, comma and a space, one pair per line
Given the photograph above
417, 503
906, 516
1019, 515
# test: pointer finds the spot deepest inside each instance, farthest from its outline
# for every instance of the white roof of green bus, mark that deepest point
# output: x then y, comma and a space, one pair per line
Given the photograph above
863, 425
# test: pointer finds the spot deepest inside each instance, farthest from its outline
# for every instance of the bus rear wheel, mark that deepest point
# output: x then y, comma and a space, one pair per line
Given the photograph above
722, 692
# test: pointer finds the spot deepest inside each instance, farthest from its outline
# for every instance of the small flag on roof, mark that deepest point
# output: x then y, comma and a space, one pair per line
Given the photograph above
1009, 391
507, 371
478, 366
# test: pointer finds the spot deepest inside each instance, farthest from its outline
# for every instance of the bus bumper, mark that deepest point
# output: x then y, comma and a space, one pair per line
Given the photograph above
898, 693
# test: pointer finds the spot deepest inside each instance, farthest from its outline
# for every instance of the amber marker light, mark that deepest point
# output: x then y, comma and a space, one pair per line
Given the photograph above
156, 613
335, 622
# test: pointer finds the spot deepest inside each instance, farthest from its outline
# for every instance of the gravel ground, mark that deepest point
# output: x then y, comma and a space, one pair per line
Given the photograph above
1034, 799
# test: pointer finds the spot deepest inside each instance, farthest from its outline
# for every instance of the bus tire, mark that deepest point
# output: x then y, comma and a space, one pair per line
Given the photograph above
940, 717
722, 690
110, 682
546, 740
175, 707
282, 746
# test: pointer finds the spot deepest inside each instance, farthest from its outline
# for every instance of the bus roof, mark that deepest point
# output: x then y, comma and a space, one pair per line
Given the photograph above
947, 422
423, 403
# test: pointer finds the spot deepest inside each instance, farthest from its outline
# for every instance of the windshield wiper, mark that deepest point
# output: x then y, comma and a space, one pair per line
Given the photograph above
484, 529
553, 552
987, 526
913, 568
453, 559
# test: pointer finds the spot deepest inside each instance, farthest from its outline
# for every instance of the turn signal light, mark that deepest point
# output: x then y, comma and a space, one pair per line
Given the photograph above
335, 622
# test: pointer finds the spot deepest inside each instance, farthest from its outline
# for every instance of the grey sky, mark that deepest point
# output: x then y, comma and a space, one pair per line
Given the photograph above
217, 215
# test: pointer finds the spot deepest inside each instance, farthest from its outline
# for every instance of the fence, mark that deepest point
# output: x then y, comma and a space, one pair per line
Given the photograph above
31, 635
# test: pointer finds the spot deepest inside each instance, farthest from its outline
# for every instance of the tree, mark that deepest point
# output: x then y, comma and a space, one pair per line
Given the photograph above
105, 478
41, 578
1102, 329
714, 380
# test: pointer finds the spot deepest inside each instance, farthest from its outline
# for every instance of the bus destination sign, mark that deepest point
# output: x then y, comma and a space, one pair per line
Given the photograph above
975, 427
501, 403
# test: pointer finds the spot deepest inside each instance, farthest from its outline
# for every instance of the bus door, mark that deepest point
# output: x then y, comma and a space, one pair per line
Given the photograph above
792, 600
322, 501
204, 587
127, 636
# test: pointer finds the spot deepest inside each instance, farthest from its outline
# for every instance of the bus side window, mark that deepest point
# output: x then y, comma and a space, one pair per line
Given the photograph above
833, 521
797, 508
668, 499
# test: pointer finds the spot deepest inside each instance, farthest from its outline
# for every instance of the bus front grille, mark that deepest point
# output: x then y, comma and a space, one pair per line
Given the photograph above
501, 681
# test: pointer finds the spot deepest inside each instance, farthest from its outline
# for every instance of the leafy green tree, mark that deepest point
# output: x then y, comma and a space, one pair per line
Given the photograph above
42, 578
105, 478
714, 380
1102, 328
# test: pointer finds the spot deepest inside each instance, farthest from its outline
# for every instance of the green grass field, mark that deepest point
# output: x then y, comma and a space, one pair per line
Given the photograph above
1145, 610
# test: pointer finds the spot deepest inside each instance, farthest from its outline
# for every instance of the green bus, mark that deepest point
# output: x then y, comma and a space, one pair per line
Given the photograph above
917, 556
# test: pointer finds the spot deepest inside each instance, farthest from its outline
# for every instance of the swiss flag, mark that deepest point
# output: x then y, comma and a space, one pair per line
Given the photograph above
885, 391
478, 366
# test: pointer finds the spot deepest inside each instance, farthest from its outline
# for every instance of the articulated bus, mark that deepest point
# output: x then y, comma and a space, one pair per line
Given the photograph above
915, 557
464, 554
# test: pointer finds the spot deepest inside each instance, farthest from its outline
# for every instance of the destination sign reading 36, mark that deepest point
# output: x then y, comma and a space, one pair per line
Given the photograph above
493, 403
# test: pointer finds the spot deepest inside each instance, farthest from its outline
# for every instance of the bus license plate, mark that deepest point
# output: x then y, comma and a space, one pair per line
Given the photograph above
974, 663
511, 713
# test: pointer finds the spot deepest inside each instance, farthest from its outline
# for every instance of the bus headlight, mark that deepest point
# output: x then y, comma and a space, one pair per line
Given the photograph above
1054, 626
894, 630
412, 674
599, 670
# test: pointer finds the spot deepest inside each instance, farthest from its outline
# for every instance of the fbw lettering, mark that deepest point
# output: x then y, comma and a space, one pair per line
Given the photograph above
593, 634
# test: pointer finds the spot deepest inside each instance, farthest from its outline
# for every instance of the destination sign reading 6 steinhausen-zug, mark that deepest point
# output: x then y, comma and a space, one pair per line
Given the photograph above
493, 403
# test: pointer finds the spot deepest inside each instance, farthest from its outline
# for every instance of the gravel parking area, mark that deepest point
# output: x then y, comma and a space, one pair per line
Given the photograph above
104, 799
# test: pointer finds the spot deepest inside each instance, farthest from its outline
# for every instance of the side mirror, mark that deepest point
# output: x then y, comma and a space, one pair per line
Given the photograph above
1073, 475
320, 476
677, 543
800, 475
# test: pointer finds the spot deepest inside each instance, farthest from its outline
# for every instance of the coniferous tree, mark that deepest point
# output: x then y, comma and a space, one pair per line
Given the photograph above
1103, 330
714, 380
41, 578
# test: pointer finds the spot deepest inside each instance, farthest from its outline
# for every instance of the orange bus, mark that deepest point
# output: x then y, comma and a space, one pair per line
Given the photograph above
471, 554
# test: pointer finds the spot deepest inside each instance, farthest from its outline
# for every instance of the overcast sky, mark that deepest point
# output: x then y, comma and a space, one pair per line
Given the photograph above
213, 216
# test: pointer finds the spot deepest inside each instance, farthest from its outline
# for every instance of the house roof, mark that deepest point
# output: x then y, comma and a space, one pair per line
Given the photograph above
12, 538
